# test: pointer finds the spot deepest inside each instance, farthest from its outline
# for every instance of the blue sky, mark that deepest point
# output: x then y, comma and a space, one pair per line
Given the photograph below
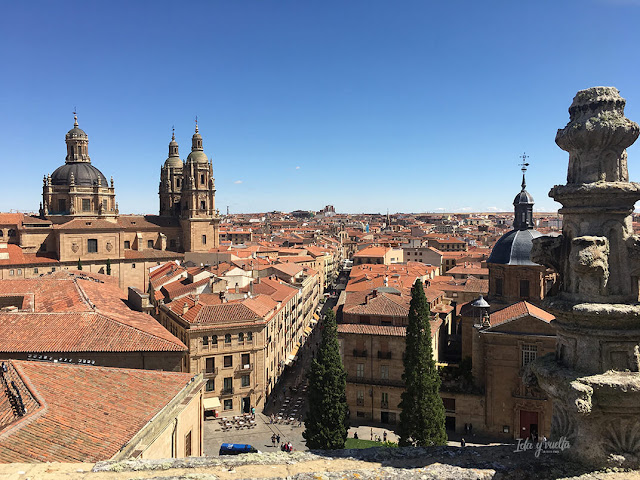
367, 105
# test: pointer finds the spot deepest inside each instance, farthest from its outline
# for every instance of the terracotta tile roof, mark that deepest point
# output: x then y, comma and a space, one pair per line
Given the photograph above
382, 304
290, 269
80, 413
18, 257
225, 313
518, 310
11, 219
358, 329
276, 290
75, 312
165, 273
182, 287
372, 252
87, 224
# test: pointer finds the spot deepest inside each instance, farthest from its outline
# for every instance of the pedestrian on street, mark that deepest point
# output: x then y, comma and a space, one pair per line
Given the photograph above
273, 440
462, 443
278, 438
384, 435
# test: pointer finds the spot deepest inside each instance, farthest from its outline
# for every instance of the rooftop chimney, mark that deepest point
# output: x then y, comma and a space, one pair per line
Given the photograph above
185, 308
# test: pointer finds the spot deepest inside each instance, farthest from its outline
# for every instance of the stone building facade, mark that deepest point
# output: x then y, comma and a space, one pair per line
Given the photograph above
80, 222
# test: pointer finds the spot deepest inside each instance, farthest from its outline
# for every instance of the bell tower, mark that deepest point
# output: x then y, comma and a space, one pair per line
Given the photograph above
198, 216
171, 181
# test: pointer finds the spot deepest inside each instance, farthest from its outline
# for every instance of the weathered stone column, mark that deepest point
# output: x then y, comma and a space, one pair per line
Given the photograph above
594, 378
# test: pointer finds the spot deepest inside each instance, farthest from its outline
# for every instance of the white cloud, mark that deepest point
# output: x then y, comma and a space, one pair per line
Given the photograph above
464, 209
237, 182
297, 168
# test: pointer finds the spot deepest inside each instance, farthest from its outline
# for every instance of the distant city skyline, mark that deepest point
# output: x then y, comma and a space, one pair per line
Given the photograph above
367, 105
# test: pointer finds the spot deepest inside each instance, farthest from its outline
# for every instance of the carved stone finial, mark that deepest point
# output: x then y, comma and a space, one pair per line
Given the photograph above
596, 137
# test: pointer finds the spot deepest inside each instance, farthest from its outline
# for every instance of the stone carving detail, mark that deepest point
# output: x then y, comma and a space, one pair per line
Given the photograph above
622, 436
596, 137
109, 246
562, 424
75, 247
589, 262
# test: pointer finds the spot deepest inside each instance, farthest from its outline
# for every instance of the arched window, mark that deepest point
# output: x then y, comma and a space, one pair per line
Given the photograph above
214, 339
241, 337
250, 336
227, 338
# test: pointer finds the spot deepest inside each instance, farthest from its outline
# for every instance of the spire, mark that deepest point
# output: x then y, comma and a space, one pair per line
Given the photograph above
196, 124
523, 203
173, 133
75, 118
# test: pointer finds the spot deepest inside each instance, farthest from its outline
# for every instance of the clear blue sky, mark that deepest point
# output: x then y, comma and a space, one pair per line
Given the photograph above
366, 105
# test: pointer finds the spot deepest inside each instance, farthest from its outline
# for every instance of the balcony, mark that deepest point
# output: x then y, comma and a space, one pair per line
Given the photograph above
386, 355
386, 382
359, 353
226, 391
246, 368
210, 373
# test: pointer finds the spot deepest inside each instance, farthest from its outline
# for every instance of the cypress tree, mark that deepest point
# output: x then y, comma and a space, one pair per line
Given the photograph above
79, 265
422, 412
108, 266
327, 420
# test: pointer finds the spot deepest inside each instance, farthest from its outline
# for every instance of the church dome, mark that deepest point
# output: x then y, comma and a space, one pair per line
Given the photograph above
523, 197
197, 156
76, 132
83, 174
173, 161
514, 248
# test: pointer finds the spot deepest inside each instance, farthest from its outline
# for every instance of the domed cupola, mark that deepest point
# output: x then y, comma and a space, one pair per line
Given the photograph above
173, 160
514, 247
197, 154
77, 143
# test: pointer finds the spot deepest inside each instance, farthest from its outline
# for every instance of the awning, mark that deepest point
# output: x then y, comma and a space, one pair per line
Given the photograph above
308, 330
294, 351
315, 316
211, 403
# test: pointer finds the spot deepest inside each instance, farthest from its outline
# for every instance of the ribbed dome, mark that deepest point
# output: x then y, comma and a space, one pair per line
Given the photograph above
523, 197
514, 248
197, 156
83, 174
173, 162
76, 132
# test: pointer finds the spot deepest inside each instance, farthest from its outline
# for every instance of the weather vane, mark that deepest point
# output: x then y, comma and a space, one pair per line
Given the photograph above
524, 163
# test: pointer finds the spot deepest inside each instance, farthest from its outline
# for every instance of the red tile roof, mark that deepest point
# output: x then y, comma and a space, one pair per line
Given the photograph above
518, 310
359, 329
79, 413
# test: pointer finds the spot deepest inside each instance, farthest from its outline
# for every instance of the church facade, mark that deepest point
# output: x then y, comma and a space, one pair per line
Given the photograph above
80, 224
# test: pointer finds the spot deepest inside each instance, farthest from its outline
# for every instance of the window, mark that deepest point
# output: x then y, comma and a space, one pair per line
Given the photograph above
178, 182
360, 414
19, 271
245, 360
384, 372
205, 340
62, 205
35, 270
245, 380
384, 400
11, 272
202, 179
204, 239
524, 288
228, 361
360, 370
86, 205
127, 244
104, 205
360, 397
133, 265
227, 338
214, 339
210, 387
187, 444
529, 354
498, 286
172, 243
92, 245
228, 404
149, 243
210, 365
228, 383
11, 232
449, 404
250, 336
241, 337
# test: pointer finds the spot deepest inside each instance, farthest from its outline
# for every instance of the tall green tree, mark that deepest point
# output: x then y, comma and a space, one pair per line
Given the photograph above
422, 412
79, 265
327, 420
108, 266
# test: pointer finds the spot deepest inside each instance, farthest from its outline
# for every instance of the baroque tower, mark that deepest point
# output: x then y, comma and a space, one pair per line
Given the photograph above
187, 193
171, 181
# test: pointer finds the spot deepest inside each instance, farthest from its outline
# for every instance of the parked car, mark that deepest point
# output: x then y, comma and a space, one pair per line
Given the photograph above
236, 449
